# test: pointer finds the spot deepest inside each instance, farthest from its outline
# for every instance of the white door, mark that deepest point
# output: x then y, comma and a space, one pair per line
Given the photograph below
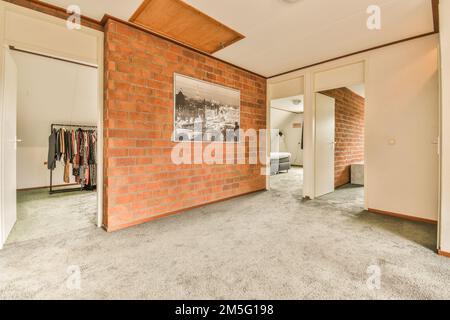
9, 147
325, 144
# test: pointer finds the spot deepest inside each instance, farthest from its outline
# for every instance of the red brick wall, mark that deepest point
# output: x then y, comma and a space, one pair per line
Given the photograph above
349, 132
141, 183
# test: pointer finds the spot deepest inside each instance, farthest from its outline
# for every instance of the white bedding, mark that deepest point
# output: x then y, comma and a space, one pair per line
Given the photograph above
280, 155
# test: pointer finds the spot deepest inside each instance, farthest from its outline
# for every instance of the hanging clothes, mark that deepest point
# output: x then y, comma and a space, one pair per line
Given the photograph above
67, 172
92, 148
68, 147
85, 159
93, 172
58, 145
61, 141
52, 151
77, 148
74, 145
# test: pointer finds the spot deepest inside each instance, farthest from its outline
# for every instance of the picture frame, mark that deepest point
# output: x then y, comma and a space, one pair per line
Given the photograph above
205, 111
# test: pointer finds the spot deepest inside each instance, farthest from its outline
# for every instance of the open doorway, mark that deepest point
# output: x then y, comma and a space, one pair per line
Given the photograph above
340, 143
286, 157
55, 146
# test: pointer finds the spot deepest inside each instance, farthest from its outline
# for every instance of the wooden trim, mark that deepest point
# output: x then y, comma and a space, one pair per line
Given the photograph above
402, 216
435, 8
169, 214
55, 11
354, 53
139, 10
140, 28
51, 57
444, 253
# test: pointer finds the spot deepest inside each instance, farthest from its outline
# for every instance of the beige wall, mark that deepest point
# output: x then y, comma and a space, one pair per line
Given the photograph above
401, 108
402, 129
444, 225
346, 75
289, 88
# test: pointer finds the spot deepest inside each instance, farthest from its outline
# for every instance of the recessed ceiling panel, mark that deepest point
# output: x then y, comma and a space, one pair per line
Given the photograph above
181, 22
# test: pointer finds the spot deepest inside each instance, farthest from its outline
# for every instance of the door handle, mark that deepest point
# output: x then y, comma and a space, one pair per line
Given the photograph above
15, 142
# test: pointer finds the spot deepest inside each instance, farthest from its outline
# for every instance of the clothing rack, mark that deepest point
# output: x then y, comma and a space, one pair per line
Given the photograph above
52, 127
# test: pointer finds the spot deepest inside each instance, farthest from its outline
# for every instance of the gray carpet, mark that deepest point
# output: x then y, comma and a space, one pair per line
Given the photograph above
270, 245
40, 214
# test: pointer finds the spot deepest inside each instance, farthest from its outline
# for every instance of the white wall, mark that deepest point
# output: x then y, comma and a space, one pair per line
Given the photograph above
444, 225
401, 104
290, 142
403, 93
49, 91
351, 74
288, 88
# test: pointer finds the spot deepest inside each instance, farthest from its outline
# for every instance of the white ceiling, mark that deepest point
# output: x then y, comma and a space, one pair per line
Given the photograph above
282, 36
287, 104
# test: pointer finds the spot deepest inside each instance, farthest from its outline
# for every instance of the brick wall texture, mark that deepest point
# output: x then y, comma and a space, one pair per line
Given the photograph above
141, 182
349, 132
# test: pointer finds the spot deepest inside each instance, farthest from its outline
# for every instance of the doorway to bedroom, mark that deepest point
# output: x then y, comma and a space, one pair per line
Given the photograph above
286, 157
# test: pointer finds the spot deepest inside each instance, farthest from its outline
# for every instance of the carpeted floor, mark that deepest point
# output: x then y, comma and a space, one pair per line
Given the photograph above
40, 214
269, 245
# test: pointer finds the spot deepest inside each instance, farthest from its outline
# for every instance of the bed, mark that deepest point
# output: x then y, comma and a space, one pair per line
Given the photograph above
280, 161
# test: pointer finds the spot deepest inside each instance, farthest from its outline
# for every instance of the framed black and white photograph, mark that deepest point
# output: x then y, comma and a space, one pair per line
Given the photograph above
205, 111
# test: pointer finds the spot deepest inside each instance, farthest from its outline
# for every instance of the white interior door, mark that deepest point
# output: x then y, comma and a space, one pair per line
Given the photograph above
325, 144
9, 147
